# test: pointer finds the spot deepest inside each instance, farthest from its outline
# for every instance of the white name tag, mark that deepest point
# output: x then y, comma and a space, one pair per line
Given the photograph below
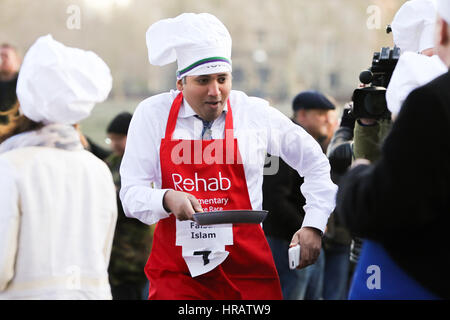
203, 247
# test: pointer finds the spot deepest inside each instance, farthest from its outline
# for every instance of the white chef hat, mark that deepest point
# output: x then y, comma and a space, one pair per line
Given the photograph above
200, 44
412, 70
443, 8
58, 84
413, 25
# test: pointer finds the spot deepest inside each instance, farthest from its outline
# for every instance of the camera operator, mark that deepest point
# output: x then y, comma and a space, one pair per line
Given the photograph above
369, 121
400, 203
338, 243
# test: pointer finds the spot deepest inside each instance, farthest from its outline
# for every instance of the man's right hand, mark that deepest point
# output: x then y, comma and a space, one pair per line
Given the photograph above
183, 205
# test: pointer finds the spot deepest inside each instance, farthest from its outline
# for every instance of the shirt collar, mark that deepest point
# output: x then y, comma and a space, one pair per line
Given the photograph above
186, 110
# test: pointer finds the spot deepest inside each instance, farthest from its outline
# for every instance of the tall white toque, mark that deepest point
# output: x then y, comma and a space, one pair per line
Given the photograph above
413, 25
200, 44
59, 84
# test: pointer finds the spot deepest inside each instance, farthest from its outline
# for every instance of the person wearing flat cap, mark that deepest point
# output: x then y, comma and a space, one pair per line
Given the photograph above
203, 146
57, 201
400, 203
281, 197
311, 111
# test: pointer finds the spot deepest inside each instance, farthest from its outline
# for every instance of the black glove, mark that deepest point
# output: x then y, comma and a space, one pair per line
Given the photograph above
341, 158
347, 119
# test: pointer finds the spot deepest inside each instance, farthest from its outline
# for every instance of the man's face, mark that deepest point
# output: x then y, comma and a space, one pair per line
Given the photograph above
118, 142
314, 121
10, 63
207, 94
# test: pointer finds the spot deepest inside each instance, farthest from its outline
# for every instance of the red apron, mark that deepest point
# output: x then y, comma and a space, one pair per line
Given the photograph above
189, 261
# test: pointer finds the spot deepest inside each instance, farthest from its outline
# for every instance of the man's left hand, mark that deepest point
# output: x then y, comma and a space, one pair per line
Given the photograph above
310, 240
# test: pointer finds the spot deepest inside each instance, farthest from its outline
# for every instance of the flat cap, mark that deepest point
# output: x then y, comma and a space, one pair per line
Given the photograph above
120, 123
312, 99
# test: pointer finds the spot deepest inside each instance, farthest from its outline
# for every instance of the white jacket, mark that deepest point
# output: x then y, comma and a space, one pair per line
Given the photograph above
57, 218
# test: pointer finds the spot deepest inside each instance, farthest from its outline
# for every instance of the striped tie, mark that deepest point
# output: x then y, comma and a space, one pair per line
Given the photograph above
206, 131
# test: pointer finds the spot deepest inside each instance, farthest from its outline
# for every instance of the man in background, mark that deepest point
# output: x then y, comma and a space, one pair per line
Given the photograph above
282, 199
132, 238
9, 70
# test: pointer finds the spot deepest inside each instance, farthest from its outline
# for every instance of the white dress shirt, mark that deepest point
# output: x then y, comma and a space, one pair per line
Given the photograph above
259, 129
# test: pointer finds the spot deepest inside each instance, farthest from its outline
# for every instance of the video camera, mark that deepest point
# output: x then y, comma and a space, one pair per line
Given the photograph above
370, 102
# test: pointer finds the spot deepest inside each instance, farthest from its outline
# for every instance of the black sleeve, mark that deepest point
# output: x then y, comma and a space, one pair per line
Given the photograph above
278, 199
407, 187
342, 135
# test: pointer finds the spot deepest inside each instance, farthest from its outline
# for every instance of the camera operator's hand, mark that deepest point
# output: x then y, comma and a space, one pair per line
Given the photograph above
359, 162
367, 121
347, 119
340, 158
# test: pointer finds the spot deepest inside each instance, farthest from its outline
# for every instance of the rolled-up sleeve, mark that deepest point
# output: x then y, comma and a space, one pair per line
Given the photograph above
302, 152
9, 223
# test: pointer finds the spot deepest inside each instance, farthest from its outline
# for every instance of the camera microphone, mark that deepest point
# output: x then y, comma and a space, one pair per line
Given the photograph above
366, 77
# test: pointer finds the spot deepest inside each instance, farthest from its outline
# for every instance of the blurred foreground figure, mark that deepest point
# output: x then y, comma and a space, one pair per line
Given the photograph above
57, 201
401, 202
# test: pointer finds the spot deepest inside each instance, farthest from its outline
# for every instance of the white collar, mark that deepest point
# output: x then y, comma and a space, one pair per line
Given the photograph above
186, 110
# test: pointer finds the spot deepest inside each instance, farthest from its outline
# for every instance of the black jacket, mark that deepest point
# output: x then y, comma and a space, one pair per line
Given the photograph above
403, 200
284, 201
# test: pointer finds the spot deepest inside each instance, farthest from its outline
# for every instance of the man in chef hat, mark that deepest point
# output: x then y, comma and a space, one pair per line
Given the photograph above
403, 197
57, 201
170, 143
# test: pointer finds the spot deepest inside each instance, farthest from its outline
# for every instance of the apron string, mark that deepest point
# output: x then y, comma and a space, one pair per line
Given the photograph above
173, 115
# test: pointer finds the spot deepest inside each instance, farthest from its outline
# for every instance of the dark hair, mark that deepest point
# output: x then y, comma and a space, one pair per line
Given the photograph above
120, 123
21, 124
